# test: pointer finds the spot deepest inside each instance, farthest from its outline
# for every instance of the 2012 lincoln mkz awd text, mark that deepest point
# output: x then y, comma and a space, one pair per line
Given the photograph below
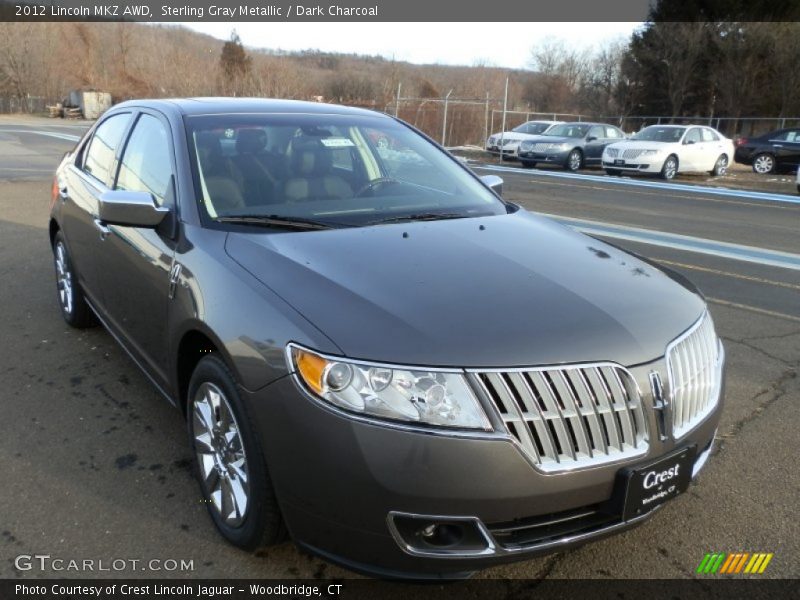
375, 353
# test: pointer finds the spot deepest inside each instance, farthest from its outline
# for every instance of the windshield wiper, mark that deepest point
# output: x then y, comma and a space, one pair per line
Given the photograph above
432, 216
276, 221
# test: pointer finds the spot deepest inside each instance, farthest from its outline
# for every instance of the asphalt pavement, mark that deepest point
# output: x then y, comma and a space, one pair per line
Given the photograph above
96, 465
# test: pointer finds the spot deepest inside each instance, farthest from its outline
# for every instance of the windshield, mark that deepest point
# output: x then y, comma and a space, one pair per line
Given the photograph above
330, 169
532, 127
654, 133
570, 130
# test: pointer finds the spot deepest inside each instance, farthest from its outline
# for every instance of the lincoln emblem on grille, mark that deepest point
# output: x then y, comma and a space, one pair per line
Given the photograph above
659, 403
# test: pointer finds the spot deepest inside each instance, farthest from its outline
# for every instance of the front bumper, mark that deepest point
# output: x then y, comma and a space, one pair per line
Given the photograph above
342, 483
559, 157
507, 150
653, 165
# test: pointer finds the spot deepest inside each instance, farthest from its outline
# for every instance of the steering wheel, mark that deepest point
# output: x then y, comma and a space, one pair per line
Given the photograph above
374, 184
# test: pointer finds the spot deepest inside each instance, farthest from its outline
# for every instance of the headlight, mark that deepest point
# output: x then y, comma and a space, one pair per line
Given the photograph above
648, 152
562, 146
436, 398
525, 145
612, 152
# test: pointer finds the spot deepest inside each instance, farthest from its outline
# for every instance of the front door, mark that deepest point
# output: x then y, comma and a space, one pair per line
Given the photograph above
136, 262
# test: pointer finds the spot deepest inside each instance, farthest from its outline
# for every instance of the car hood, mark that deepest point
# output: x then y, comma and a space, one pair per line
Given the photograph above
511, 136
643, 145
503, 291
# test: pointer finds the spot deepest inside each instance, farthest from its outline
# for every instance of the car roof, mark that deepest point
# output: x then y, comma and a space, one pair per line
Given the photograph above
211, 106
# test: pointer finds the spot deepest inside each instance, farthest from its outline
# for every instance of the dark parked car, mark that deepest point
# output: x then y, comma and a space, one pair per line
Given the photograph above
570, 145
373, 351
773, 151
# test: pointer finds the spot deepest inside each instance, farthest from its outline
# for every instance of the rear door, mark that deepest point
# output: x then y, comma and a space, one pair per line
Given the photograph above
83, 181
713, 148
136, 262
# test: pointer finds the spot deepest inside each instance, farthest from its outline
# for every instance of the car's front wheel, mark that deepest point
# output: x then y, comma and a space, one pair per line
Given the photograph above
74, 309
229, 461
720, 167
574, 160
670, 168
763, 164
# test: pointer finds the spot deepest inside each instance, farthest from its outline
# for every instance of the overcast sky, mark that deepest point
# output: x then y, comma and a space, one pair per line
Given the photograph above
499, 44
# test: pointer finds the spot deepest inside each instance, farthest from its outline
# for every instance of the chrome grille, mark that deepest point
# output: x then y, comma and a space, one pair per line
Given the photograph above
570, 417
694, 361
632, 153
539, 147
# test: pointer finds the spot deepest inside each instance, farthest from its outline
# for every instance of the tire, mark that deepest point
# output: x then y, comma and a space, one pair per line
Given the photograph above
763, 163
720, 167
670, 168
220, 459
528, 164
613, 172
574, 160
798, 188
71, 300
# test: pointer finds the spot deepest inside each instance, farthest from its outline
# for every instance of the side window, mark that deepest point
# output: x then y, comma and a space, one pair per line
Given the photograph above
99, 156
146, 164
693, 135
597, 132
613, 132
710, 136
783, 136
793, 136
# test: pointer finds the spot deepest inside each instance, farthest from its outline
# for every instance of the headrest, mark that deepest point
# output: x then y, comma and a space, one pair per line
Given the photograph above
310, 158
251, 141
208, 145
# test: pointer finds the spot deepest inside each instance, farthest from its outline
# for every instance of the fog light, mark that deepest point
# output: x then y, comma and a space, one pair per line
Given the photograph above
442, 534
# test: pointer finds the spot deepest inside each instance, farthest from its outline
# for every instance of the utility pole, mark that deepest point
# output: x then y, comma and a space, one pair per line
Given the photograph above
397, 103
505, 108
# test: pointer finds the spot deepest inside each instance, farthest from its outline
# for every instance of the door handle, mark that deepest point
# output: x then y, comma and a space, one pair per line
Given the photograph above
104, 231
777, 145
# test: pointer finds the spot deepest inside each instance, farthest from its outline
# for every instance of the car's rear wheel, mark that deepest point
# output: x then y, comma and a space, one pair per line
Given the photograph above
670, 168
74, 309
229, 462
528, 164
764, 163
574, 160
720, 167
613, 172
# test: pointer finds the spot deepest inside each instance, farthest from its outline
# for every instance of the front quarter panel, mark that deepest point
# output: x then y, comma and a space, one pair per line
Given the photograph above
249, 323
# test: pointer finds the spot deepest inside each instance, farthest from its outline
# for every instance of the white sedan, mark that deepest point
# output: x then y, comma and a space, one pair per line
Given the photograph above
507, 143
669, 150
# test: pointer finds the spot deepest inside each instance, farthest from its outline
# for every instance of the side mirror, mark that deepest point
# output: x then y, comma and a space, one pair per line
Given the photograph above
134, 209
591, 138
687, 142
494, 183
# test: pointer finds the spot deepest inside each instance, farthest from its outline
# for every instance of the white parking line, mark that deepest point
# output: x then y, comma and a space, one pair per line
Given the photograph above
62, 136
621, 181
762, 256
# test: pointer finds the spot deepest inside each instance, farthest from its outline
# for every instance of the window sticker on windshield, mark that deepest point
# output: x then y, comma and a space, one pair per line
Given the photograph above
337, 142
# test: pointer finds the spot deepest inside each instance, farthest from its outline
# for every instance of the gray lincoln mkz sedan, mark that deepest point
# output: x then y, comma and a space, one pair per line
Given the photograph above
374, 352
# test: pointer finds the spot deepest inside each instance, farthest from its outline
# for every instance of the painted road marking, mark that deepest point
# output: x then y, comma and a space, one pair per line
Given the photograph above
755, 309
681, 265
675, 241
680, 187
694, 198
62, 136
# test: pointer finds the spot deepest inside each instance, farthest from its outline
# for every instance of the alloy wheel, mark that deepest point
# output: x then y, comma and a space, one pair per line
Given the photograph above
574, 160
64, 279
722, 166
220, 454
670, 168
763, 164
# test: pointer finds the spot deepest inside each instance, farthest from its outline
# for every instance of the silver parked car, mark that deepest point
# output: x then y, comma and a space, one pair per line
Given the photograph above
506, 143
